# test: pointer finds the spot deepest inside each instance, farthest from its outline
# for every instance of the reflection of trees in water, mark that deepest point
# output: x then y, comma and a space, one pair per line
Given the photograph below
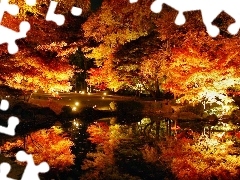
77, 129
52, 145
107, 138
118, 152
119, 148
155, 127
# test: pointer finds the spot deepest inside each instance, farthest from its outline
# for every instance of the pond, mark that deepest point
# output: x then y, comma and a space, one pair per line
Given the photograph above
143, 128
117, 141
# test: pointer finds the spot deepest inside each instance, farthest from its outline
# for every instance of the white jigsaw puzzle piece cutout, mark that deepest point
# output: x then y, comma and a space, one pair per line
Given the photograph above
4, 105
12, 9
59, 19
76, 11
7, 35
31, 2
12, 123
12, 120
133, 1
4, 170
210, 9
31, 171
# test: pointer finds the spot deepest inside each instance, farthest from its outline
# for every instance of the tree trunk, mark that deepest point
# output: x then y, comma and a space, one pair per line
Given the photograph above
27, 96
157, 129
157, 90
156, 93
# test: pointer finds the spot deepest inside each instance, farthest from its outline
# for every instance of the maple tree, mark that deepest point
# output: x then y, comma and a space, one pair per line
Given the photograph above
113, 41
142, 63
203, 63
43, 57
35, 72
114, 24
186, 60
106, 77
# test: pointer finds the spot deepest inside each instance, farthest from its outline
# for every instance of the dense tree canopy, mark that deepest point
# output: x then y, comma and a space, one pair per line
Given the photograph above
163, 56
43, 57
114, 24
131, 46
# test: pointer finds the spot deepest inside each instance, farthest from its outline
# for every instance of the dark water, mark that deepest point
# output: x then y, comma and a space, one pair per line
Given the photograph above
76, 129
149, 128
128, 159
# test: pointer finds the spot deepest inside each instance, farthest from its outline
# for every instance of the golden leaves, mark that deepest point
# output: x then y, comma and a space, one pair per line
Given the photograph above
50, 145
29, 72
116, 23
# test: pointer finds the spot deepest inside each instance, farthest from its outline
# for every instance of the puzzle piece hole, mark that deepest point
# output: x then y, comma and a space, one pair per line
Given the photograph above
180, 19
133, 1
76, 11
233, 28
31, 2
4, 169
4, 105
14, 10
156, 7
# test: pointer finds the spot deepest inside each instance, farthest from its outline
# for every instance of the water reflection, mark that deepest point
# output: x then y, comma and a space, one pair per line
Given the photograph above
109, 144
114, 143
51, 145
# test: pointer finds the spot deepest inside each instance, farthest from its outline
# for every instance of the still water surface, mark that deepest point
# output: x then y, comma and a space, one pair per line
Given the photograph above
142, 130
150, 128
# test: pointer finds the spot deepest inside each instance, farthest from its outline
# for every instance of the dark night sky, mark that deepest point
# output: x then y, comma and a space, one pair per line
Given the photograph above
95, 4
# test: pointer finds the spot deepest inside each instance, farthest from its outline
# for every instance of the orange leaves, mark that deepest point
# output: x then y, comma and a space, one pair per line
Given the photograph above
50, 145
201, 158
99, 133
116, 23
193, 72
105, 135
30, 72
40, 63
105, 77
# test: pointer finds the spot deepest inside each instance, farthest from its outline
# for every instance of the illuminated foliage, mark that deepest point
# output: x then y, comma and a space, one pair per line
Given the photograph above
107, 139
50, 145
202, 158
106, 77
114, 24
30, 72
181, 59
43, 57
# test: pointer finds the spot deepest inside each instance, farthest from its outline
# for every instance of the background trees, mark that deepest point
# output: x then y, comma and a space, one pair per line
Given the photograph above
43, 57
131, 47
114, 24
160, 55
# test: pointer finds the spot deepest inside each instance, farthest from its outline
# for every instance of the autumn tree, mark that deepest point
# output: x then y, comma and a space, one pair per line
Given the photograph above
35, 72
117, 35
202, 68
142, 62
106, 77
43, 57
119, 26
114, 24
